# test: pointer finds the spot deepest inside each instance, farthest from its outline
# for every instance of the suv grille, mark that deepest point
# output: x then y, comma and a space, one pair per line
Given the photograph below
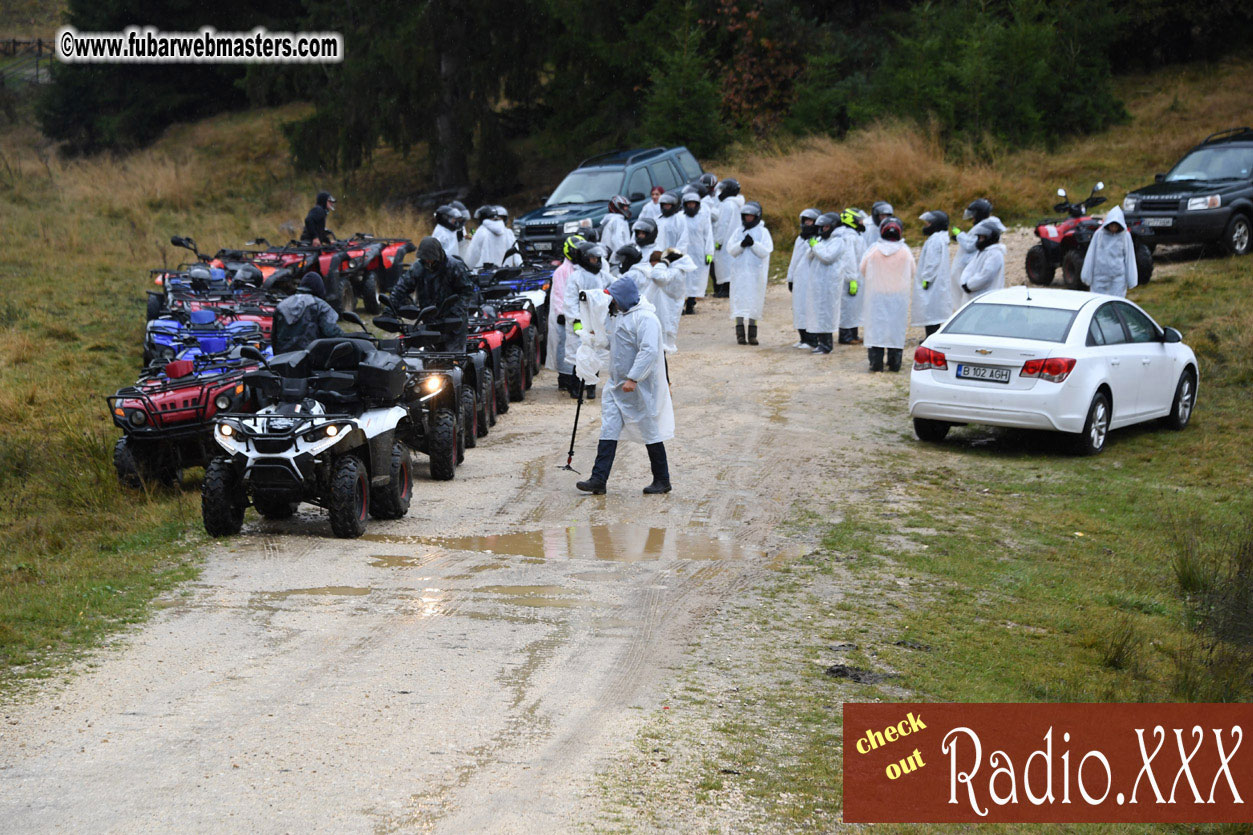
1148, 205
537, 229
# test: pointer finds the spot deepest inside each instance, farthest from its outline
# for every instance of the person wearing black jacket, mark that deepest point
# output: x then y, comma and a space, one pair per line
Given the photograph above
440, 280
315, 231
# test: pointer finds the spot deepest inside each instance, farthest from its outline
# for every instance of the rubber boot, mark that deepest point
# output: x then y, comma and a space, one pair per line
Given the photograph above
661, 469
689, 306
591, 393
752, 332
876, 358
894, 358
595, 484
739, 333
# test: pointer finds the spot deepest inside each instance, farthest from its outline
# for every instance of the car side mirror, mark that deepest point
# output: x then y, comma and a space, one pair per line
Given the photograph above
1159, 178
638, 196
1171, 336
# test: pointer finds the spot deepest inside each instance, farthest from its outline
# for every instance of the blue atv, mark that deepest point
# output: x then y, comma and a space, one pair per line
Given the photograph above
196, 333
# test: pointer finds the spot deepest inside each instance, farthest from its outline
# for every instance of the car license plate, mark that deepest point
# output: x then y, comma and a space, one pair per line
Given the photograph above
983, 373
543, 246
1159, 221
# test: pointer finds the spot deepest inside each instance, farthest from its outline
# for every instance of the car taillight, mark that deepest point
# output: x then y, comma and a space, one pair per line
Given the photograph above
1053, 369
925, 359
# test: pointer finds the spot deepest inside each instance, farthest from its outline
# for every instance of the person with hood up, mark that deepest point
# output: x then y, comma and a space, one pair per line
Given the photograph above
636, 405
651, 208
447, 231
303, 317
749, 248
798, 277
493, 242
700, 242
615, 227
590, 275
852, 229
888, 267
315, 231
879, 212
671, 230
978, 211
707, 185
1110, 264
830, 257
558, 328
730, 201
986, 271
441, 281
931, 303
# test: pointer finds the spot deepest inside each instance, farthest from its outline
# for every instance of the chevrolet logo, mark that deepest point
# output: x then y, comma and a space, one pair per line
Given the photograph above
983, 352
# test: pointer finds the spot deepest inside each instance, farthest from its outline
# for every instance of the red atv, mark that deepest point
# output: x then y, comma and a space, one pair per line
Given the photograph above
1064, 242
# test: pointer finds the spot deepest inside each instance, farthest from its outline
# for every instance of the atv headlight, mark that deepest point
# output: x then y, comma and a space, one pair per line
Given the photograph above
1212, 201
323, 432
432, 384
1130, 202
226, 430
138, 417
222, 402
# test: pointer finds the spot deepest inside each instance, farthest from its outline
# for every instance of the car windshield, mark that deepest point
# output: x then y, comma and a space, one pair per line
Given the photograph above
1214, 164
590, 186
1014, 321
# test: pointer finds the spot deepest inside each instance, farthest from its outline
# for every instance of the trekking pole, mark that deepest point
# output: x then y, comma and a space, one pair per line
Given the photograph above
578, 408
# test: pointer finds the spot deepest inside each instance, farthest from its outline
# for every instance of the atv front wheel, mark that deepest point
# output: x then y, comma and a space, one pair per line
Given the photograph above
350, 497
1072, 266
128, 472
469, 417
156, 306
441, 446
370, 294
1144, 264
515, 373
392, 501
1039, 270
273, 508
221, 498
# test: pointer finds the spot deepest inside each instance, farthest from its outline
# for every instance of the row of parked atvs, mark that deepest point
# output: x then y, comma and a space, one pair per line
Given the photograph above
337, 424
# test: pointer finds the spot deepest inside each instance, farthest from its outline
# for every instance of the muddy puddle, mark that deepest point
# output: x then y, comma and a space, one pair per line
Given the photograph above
329, 591
540, 597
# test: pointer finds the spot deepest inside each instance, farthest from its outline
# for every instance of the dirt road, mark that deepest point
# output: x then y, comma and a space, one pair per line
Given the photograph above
472, 666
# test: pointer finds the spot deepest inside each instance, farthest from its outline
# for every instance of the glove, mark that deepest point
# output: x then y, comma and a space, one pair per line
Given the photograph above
954, 232
578, 326
926, 285
561, 319
747, 242
789, 286
965, 288
852, 287
717, 247
672, 255
813, 242
709, 259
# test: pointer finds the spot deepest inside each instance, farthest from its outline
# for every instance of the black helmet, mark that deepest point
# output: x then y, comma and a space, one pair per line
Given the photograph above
459, 206
880, 210
618, 204
691, 202
447, 216
626, 257
936, 221
891, 229
669, 203
589, 251
979, 210
645, 230
199, 272
826, 223
808, 218
987, 239
708, 180
249, 274
483, 213
753, 209
728, 188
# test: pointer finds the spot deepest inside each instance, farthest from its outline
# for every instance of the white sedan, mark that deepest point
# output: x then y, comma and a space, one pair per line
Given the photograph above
1061, 360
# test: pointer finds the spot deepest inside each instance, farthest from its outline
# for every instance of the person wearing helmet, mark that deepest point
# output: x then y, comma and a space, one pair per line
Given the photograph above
798, 276
978, 211
590, 275
440, 280
671, 228
749, 246
652, 209
708, 185
463, 233
931, 304
986, 271
889, 269
829, 256
303, 317
637, 404
493, 243
1110, 264
700, 241
644, 232
880, 211
729, 202
667, 271
852, 229
447, 226
559, 329
315, 231
615, 227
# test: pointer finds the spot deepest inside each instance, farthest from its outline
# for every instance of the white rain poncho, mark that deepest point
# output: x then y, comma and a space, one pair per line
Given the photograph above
665, 288
645, 415
447, 239
870, 237
700, 242
592, 358
615, 232
711, 205
580, 281
932, 303
672, 232
1110, 265
851, 303
986, 271
555, 358
490, 243
651, 209
889, 273
748, 270
966, 252
826, 266
798, 277
728, 221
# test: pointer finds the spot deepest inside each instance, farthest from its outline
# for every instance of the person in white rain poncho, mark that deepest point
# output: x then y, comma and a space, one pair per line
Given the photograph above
830, 257
447, 231
986, 271
559, 329
708, 185
651, 209
671, 226
615, 227
493, 242
666, 287
1110, 265
879, 212
700, 246
749, 247
590, 275
977, 212
636, 402
730, 201
798, 277
852, 228
888, 267
931, 304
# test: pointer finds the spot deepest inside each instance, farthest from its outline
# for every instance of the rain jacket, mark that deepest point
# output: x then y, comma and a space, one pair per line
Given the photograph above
798, 278
700, 242
728, 220
645, 415
301, 318
889, 270
966, 252
615, 232
651, 209
932, 304
1110, 265
448, 287
986, 271
827, 263
665, 290
672, 232
490, 243
447, 238
555, 356
580, 281
748, 270
850, 271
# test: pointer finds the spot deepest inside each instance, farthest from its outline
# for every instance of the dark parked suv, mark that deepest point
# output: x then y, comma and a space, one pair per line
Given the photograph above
1206, 198
582, 199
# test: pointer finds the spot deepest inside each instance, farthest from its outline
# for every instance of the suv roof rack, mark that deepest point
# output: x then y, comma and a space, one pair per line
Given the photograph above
626, 157
1229, 135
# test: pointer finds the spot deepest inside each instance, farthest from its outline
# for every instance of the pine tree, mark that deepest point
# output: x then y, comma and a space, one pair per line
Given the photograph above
681, 106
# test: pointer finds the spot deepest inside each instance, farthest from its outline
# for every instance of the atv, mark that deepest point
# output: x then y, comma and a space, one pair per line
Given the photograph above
1064, 242
191, 334
331, 433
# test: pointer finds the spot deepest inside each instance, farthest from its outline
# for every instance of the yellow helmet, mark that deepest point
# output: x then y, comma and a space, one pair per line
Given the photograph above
571, 246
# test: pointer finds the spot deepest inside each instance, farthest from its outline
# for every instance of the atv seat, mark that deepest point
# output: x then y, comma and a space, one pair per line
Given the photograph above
327, 355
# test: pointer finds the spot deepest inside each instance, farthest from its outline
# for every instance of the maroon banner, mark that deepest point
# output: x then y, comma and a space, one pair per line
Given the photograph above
1048, 763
